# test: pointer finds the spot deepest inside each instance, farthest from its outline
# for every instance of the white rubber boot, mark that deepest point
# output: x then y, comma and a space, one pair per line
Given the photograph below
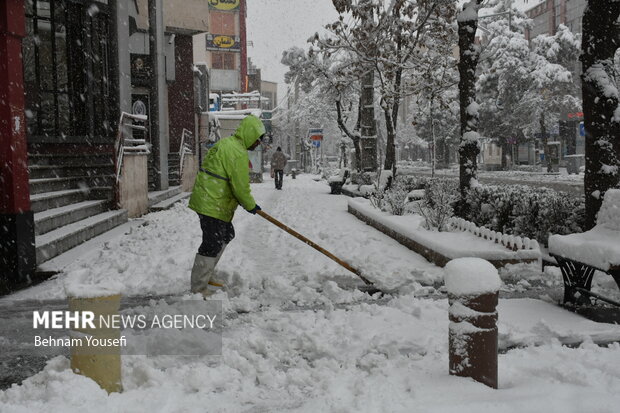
202, 271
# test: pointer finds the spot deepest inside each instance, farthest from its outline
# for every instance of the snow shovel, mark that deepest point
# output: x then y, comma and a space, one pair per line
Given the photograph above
369, 288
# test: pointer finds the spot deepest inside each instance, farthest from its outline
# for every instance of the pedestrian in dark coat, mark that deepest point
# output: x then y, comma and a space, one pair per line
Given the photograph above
278, 163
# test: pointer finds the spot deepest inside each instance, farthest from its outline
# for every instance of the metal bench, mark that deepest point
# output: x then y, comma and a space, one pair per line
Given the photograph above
577, 278
336, 184
580, 255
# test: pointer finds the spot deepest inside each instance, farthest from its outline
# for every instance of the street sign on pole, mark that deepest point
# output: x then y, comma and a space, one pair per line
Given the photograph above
315, 134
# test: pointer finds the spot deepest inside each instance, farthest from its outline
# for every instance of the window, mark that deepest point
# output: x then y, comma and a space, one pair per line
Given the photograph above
66, 72
222, 23
223, 60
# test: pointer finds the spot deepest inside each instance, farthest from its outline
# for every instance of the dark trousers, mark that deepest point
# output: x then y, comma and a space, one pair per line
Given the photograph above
279, 175
215, 234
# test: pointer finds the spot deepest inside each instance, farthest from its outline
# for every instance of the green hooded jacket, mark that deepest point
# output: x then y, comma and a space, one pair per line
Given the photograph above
228, 158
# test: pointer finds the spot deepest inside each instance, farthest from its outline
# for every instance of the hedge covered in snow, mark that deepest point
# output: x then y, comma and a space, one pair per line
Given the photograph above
521, 210
526, 211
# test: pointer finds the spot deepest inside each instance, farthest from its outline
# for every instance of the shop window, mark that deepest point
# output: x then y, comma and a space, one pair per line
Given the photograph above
224, 60
66, 72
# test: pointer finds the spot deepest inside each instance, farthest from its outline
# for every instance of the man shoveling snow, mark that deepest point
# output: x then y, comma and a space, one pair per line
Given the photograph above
222, 184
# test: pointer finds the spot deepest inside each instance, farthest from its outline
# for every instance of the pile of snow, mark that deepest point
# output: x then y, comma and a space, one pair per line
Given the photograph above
599, 247
338, 176
367, 358
415, 195
609, 215
471, 276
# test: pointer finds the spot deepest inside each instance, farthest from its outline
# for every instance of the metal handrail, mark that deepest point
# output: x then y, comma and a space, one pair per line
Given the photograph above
121, 145
136, 145
183, 149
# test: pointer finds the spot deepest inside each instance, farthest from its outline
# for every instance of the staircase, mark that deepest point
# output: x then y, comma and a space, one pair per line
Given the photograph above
70, 195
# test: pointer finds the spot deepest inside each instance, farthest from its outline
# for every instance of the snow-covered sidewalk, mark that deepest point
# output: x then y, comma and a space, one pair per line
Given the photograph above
314, 346
156, 258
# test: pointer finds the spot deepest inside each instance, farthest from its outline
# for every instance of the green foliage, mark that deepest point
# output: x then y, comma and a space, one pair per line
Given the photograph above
525, 211
437, 207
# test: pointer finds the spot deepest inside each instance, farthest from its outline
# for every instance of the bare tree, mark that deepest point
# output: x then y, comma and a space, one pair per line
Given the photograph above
387, 39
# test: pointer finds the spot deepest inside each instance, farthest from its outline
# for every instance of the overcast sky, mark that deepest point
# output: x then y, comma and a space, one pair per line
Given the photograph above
275, 25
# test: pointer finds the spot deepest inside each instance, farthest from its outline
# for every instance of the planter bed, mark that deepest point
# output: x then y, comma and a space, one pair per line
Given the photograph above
439, 247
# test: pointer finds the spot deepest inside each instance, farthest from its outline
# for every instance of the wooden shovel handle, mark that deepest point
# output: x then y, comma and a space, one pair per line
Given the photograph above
313, 245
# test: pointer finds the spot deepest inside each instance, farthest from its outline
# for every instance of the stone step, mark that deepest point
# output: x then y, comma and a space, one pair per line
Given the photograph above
60, 171
78, 159
38, 186
62, 239
55, 199
167, 203
48, 200
156, 197
54, 218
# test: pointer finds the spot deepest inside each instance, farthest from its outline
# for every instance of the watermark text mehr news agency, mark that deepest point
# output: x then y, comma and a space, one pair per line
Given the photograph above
87, 320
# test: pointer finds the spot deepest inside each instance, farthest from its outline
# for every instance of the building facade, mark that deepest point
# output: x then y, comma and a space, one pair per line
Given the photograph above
74, 67
223, 49
549, 14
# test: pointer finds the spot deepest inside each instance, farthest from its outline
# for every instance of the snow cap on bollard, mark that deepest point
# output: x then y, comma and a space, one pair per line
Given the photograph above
471, 276
473, 285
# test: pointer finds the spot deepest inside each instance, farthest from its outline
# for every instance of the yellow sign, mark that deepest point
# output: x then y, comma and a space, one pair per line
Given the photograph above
225, 42
222, 41
224, 4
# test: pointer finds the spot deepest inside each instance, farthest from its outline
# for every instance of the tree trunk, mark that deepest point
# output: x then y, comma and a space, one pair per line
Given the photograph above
503, 144
390, 149
602, 125
353, 136
298, 140
545, 138
468, 61
368, 127
390, 152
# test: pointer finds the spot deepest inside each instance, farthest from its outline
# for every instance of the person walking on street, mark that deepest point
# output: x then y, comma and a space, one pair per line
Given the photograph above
223, 183
278, 163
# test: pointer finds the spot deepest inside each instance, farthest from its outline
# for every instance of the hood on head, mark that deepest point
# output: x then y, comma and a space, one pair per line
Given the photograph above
250, 129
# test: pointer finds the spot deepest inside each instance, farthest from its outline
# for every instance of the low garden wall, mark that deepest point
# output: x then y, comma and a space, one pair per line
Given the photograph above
441, 247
